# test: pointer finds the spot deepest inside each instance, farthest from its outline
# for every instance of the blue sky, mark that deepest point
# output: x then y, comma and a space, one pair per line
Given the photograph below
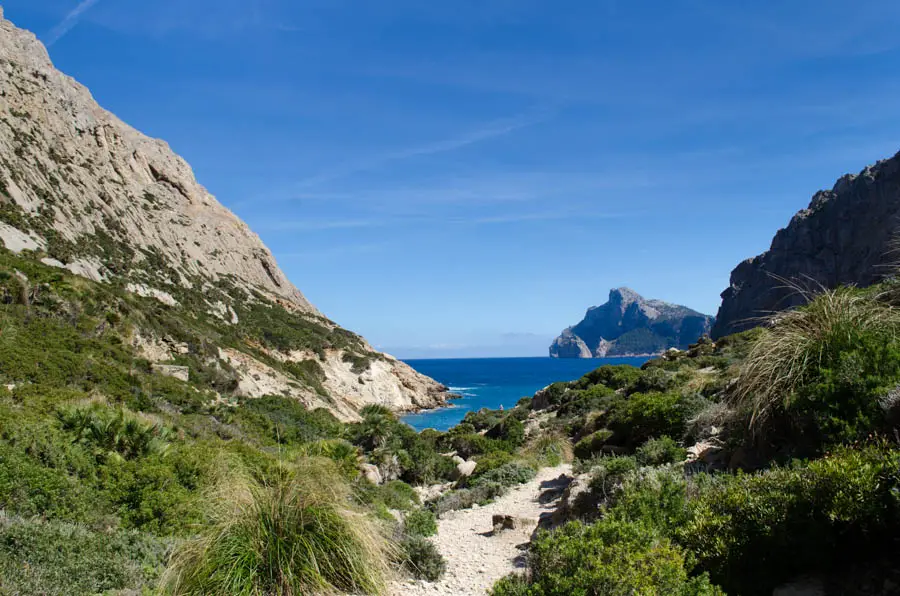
465, 178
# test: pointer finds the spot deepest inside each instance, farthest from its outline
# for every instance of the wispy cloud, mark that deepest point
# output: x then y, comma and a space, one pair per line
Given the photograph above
490, 130
307, 225
69, 22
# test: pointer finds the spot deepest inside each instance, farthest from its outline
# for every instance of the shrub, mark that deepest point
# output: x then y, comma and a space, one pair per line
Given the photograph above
592, 444
466, 497
613, 376
345, 455
754, 532
114, 432
646, 415
396, 494
295, 535
549, 449
609, 557
471, 445
490, 461
509, 474
661, 451
482, 419
422, 558
821, 368
576, 403
420, 522
510, 430
58, 558
608, 475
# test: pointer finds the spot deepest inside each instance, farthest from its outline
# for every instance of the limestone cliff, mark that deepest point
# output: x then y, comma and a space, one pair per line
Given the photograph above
81, 190
846, 236
629, 324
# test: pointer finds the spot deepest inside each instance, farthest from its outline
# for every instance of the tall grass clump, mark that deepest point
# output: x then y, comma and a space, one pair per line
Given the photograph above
823, 368
298, 534
550, 449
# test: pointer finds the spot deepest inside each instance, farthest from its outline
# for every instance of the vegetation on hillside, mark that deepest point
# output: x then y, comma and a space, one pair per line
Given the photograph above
798, 474
114, 477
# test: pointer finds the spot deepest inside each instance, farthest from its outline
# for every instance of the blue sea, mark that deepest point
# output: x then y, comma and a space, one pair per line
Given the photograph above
494, 382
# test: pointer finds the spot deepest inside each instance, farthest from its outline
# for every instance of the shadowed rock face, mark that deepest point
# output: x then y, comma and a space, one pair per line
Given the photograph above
629, 324
844, 237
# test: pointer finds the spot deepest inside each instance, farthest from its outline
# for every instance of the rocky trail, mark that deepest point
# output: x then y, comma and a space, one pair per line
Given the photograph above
477, 556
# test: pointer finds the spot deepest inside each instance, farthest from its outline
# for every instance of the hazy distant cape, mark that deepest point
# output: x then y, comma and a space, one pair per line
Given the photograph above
630, 325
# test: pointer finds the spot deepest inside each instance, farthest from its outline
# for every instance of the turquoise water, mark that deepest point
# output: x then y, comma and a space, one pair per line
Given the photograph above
494, 382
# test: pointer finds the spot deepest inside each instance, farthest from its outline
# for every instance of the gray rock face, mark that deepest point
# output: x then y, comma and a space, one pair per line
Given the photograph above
88, 193
631, 325
844, 237
85, 183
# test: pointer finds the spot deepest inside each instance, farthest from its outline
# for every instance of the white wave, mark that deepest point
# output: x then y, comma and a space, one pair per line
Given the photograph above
457, 389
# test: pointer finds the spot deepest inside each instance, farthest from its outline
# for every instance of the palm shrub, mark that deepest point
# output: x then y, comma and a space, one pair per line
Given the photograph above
345, 455
298, 534
114, 433
822, 368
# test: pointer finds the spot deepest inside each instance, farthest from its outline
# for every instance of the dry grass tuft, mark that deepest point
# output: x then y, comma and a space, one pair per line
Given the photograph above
295, 535
797, 344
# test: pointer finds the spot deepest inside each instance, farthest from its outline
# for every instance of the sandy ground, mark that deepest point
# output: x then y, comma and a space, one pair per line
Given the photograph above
476, 558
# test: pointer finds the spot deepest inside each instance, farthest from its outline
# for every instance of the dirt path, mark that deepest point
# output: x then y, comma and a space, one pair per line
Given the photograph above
476, 558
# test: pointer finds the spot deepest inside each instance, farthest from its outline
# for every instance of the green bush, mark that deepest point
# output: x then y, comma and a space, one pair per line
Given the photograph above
396, 494
57, 558
422, 558
613, 376
483, 419
420, 522
592, 444
754, 532
661, 451
815, 376
643, 416
609, 474
576, 403
509, 474
510, 430
466, 497
610, 557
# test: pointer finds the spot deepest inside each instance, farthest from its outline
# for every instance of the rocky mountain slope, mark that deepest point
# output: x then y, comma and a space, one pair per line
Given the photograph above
81, 190
629, 324
846, 236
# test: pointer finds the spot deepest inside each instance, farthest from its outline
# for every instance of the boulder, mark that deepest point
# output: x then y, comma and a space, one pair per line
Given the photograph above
371, 473
182, 373
466, 469
509, 522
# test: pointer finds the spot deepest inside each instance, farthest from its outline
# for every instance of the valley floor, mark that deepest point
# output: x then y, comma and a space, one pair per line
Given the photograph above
476, 558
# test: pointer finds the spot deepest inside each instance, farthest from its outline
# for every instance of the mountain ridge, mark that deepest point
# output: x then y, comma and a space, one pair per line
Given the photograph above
846, 236
630, 325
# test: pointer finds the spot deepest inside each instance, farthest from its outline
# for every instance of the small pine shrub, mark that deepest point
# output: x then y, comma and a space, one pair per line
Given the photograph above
420, 522
422, 558
507, 475
661, 451
592, 444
